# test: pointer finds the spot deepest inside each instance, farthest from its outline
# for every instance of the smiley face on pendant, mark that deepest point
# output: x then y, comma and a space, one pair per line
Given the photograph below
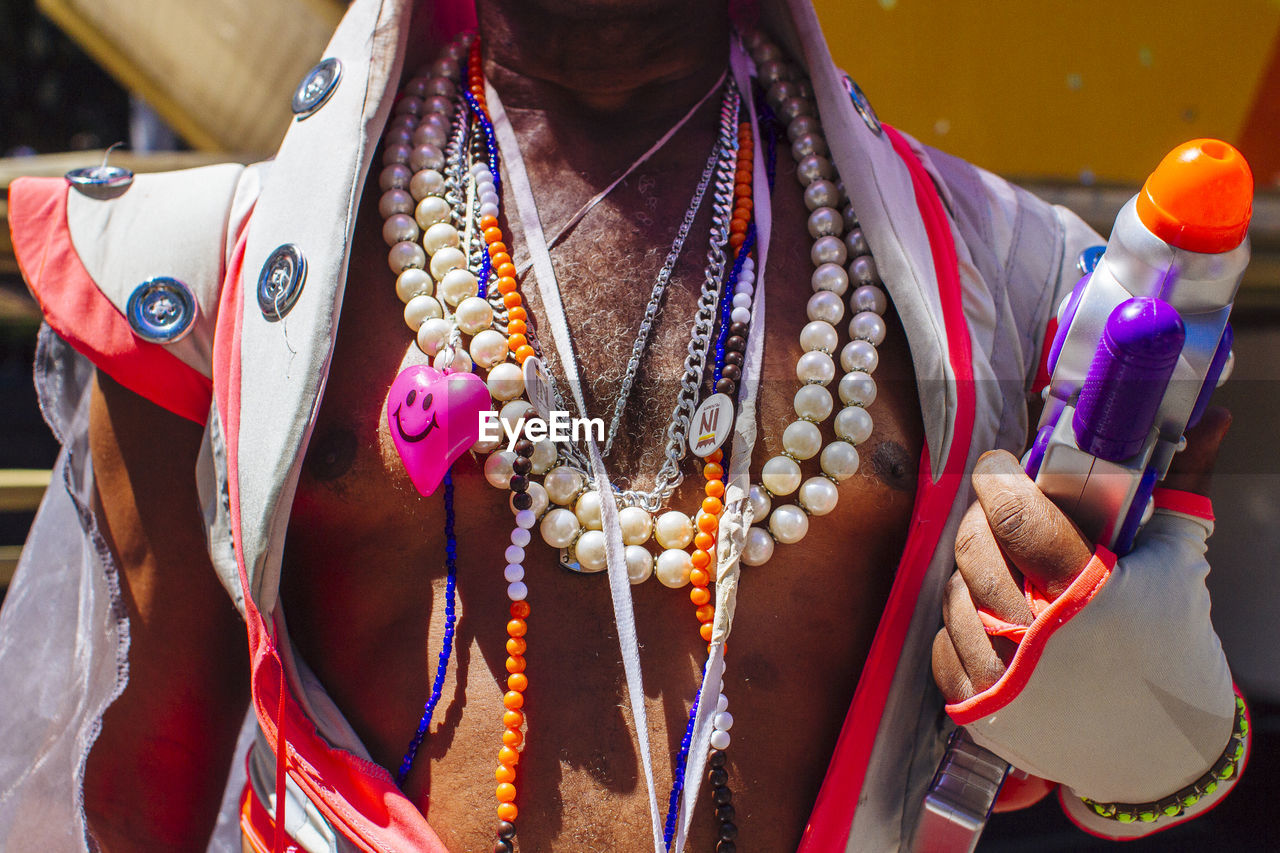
411, 403
433, 418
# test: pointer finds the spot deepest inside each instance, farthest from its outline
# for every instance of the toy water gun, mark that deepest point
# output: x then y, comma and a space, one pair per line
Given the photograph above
1142, 341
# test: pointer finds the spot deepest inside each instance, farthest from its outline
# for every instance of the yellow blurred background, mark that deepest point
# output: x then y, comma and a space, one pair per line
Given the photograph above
1078, 90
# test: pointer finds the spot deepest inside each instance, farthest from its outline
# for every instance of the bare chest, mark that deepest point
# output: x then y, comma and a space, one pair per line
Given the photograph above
367, 552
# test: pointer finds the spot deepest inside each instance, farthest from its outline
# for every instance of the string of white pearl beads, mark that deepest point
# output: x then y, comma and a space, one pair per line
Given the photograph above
574, 522
744, 289
433, 270
563, 484
721, 723
758, 548
506, 381
673, 531
745, 285
591, 548
837, 242
560, 527
636, 525
515, 553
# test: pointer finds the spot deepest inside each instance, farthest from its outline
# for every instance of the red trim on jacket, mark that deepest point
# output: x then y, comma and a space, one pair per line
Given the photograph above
357, 796
76, 309
832, 818
257, 826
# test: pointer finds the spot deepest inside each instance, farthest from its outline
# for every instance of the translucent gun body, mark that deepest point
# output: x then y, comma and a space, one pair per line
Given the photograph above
1142, 341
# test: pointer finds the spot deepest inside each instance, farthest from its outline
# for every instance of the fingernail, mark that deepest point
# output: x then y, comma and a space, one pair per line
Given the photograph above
997, 462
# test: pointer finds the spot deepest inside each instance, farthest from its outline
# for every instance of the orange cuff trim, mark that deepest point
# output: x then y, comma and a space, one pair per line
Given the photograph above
1036, 637
1187, 503
997, 627
76, 309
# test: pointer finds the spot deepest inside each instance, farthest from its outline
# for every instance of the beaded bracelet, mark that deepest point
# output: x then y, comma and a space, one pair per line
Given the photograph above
1223, 770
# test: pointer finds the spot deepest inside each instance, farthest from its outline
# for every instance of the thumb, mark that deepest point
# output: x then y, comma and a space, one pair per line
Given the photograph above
1192, 469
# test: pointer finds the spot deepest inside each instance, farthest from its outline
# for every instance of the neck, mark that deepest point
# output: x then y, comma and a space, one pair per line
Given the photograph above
647, 57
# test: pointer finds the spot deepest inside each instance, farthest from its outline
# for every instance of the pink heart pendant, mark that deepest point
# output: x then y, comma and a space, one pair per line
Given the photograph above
434, 417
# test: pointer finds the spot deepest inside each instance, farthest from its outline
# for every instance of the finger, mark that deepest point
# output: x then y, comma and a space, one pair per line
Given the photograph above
1192, 469
993, 585
947, 670
1038, 539
979, 659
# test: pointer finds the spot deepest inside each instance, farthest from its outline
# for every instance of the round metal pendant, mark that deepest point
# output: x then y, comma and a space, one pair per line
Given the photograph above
570, 563
280, 282
538, 387
161, 310
316, 87
862, 105
100, 182
711, 426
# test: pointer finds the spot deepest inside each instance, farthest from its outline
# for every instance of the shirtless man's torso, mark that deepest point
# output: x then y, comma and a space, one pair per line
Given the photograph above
363, 581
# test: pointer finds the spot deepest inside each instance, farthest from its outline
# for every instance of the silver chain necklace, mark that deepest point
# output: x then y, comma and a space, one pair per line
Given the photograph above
655, 298
720, 167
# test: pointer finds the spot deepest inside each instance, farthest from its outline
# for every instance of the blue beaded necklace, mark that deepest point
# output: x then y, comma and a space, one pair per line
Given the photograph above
491, 145
450, 620
451, 541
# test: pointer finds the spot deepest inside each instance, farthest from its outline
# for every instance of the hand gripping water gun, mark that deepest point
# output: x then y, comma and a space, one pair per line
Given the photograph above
1141, 343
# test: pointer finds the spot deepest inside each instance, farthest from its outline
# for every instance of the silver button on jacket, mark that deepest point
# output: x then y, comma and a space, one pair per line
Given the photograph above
280, 282
161, 310
316, 87
100, 182
861, 104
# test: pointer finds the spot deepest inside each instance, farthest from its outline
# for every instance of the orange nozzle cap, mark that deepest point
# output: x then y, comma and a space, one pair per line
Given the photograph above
1199, 198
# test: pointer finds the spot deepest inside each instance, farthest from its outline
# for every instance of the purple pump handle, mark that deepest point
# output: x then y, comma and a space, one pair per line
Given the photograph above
1128, 377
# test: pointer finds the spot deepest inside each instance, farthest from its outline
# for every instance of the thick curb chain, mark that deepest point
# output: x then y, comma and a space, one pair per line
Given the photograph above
669, 476
659, 290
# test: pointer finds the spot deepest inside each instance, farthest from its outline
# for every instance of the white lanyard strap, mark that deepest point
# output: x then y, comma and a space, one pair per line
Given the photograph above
619, 583
736, 518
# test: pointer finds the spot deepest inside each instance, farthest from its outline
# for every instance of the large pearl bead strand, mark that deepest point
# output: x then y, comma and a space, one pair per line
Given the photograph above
845, 283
